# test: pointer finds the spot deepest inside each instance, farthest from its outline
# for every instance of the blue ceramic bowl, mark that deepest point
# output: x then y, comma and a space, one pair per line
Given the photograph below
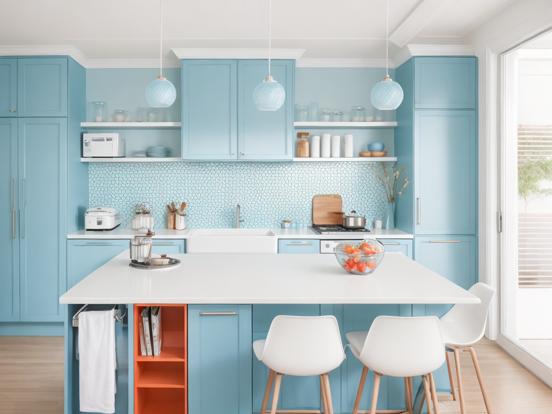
376, 146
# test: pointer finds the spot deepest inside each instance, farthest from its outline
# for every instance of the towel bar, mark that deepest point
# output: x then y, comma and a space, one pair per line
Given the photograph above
119, 315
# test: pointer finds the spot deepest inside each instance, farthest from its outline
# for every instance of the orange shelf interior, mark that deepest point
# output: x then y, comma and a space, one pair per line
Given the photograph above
160, 382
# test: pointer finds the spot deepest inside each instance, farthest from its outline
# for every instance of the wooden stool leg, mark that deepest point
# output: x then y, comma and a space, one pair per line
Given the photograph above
459, 380
449, 368
408, 394
328, 392
434, 394
427, 392
268, 388
276, 395
323, 396
480, 379
360, 388
375, 392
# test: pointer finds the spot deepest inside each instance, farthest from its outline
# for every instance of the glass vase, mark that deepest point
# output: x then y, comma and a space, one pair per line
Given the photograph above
390, 216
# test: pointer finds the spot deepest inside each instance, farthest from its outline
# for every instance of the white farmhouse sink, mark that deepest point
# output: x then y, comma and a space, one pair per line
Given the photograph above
232, 241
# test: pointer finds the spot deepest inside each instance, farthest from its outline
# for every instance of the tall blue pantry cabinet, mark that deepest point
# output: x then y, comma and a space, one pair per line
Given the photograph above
42, 102
436, 144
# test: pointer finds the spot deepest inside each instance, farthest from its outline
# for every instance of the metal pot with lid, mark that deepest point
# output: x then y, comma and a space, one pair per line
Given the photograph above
353, 220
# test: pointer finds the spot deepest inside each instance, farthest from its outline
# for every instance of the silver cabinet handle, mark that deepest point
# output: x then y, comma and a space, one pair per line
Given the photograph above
22, 211
220, 313
12, 110
94, 243
389, 243
444, 241
166, 244
418, 211
13, 210
299, 243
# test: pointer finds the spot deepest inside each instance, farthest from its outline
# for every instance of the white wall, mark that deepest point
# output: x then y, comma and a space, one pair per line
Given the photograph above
535, 91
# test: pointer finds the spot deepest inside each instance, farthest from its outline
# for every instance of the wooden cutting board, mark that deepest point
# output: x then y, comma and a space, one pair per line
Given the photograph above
327, 209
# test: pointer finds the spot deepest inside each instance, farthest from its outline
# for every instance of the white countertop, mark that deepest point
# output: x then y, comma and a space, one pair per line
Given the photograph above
302, 233
265, 278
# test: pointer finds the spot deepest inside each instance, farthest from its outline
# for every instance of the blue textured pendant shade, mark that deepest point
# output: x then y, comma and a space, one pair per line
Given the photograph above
387, 95
269, 95
160, 93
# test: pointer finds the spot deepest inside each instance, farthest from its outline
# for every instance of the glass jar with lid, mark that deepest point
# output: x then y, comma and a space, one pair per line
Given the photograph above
302, 145
358, 114
99, 111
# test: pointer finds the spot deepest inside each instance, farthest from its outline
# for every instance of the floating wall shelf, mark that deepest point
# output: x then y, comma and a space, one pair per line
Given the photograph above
354, 159
375, 124
130, 159
130, 124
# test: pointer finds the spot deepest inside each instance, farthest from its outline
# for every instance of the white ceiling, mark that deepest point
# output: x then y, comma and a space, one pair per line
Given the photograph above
346, 29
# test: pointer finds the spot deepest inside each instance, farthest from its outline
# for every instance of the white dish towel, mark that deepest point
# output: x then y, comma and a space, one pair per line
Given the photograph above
97, 361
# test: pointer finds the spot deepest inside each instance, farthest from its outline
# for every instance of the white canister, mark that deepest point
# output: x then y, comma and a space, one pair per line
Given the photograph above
179, 222
336, 146
315, 146
325, 146
348, 146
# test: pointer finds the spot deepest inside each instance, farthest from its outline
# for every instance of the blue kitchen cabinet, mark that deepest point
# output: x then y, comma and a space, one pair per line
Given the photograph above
209, 109
445, 175
295, 246
8, 87
403, 246
168, 246
9, 239
445, 82
42, 86
42, 183
219, 359
264, 135
219, 119
85, 256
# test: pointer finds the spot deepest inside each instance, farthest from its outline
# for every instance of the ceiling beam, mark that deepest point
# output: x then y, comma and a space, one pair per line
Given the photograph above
416, 21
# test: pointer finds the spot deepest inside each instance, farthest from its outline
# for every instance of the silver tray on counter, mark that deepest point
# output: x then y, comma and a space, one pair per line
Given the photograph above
172, 263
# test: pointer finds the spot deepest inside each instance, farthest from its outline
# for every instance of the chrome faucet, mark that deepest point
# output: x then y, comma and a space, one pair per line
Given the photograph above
238, 220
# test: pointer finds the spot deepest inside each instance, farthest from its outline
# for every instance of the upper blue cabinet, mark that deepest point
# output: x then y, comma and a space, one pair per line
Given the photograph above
8, 87
42, 87
445, 83
219, 119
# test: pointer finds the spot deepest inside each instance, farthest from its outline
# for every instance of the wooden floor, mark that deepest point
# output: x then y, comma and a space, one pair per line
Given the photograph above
31, 380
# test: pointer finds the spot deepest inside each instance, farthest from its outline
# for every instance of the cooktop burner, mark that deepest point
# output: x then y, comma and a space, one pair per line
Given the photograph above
337, 230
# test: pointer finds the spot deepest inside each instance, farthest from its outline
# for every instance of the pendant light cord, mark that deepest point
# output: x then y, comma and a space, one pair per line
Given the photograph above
387, 38
269, 36
161, 40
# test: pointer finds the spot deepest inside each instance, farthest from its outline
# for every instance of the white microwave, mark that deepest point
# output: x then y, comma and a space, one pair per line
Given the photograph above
96, 145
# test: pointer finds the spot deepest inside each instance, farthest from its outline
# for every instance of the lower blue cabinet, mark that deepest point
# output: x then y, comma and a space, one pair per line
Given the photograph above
219, 359
403, 246
298, 246
168, 246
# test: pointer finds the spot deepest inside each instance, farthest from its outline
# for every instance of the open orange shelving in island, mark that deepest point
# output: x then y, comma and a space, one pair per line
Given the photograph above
161, 382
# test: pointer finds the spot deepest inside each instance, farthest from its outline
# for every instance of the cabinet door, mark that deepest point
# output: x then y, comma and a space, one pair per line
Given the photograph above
8, 87
395, 245
42, 87
295, 246
446, 171
9, 235
445, 82
453, 257
219, 359
85, 256
42, 183
209, 130
264, 135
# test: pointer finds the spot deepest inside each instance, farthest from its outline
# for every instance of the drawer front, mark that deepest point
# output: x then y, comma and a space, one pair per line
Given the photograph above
294, 246
166, 246
403, 246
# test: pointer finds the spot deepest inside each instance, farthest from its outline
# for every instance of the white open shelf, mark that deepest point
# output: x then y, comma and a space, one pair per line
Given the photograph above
130, 159
354, 159
130, 124
374, 124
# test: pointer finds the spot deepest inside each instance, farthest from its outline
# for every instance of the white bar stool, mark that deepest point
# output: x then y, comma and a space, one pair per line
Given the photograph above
462, 327
399, 347
300, 346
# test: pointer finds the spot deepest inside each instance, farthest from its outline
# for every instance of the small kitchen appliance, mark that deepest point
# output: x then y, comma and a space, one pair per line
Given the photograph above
101, 218
103, 144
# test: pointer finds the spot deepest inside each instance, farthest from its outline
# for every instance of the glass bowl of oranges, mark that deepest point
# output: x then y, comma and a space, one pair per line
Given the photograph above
359, 259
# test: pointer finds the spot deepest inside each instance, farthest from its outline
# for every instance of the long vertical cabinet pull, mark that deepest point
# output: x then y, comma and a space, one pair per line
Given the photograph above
22, 210
13, 210
418, 211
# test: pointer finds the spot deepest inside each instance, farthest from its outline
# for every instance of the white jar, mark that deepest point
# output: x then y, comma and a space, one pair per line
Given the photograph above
315, 146
348, 146
180, 222
325, 146
336, 146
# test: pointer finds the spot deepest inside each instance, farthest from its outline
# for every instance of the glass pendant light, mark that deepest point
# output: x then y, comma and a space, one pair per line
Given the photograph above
160, 93
387, 95
269, 95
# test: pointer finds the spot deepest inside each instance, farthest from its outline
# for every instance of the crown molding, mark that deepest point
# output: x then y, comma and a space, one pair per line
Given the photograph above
342, 63
44, 50
236, 53
413, 50
133, 63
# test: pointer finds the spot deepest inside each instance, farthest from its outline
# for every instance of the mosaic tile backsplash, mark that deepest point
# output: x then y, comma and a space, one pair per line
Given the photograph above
267, 192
